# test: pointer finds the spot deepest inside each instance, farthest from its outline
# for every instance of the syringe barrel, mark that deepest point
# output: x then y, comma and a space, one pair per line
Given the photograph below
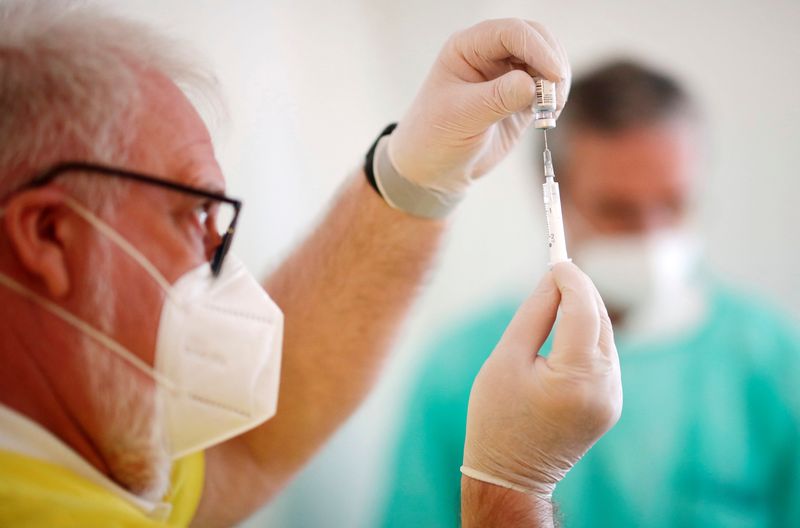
556, 241
548, 165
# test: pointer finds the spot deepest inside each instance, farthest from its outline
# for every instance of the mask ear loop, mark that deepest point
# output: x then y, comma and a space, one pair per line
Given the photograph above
88, 329
83, 326
120, 241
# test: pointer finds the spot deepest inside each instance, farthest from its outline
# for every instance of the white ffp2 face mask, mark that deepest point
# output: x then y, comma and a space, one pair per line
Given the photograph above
632, 272
652, 281
218, 348
219, 341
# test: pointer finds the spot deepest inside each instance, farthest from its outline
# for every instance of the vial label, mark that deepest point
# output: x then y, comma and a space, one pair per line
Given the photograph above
545, 93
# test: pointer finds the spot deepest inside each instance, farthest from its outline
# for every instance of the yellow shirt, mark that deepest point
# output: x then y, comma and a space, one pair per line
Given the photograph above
44, 483
37, 493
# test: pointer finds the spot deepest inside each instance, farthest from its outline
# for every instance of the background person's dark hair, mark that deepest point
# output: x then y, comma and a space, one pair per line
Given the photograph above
618, 95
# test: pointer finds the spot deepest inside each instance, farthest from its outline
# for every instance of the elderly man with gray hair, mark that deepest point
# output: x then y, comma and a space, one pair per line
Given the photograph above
141, 360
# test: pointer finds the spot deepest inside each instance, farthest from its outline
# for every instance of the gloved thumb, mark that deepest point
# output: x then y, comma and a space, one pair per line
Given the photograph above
532, 323
578, 334
506, 95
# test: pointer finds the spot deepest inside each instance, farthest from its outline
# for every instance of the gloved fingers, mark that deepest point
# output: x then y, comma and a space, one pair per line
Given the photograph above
532, 323
606, 340
562, 86
504, 96
562, 93
489, 46
578, 332
551, 39
508, 131
514, 125
609, 350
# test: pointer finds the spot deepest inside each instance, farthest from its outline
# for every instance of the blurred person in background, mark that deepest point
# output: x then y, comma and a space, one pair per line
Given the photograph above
710, 433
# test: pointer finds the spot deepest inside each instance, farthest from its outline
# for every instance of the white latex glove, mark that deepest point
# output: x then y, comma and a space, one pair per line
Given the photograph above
532, 418
476, 102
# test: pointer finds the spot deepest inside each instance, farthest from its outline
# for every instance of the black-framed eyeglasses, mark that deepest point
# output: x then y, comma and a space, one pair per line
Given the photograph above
223, 217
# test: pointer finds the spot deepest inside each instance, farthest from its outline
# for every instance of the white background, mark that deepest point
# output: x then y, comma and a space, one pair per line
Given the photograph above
309, 84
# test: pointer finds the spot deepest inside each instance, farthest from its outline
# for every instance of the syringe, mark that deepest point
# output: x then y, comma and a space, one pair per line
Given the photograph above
544, 119
556, 241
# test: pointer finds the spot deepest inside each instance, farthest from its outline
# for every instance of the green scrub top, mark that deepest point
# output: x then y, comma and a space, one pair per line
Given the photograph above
709, 433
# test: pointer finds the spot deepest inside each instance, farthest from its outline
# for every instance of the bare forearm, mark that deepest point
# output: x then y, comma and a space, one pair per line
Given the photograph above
487, 506
344, 293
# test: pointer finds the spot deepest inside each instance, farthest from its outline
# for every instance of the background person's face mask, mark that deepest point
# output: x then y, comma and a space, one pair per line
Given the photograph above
218, 347
645, 276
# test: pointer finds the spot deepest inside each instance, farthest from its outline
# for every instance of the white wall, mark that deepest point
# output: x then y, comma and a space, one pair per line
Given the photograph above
310, 84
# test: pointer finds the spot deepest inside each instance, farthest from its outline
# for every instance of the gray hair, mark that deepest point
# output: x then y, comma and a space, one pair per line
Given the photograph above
616, 96
70, 86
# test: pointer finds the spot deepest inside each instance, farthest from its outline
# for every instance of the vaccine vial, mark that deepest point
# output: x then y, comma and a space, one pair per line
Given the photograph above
544, 107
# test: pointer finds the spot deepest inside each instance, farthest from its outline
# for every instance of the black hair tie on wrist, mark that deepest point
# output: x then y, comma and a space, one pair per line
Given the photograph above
369, 160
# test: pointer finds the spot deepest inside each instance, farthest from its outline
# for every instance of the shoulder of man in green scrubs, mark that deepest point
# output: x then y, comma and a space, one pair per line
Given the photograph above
708, 436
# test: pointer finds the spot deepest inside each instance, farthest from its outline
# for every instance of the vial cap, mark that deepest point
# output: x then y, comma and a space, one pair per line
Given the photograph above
544, 123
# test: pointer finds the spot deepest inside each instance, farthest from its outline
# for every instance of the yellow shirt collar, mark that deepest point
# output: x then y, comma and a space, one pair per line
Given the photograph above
21, 435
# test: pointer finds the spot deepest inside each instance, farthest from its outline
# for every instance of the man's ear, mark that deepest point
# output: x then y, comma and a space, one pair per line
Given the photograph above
38, 227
